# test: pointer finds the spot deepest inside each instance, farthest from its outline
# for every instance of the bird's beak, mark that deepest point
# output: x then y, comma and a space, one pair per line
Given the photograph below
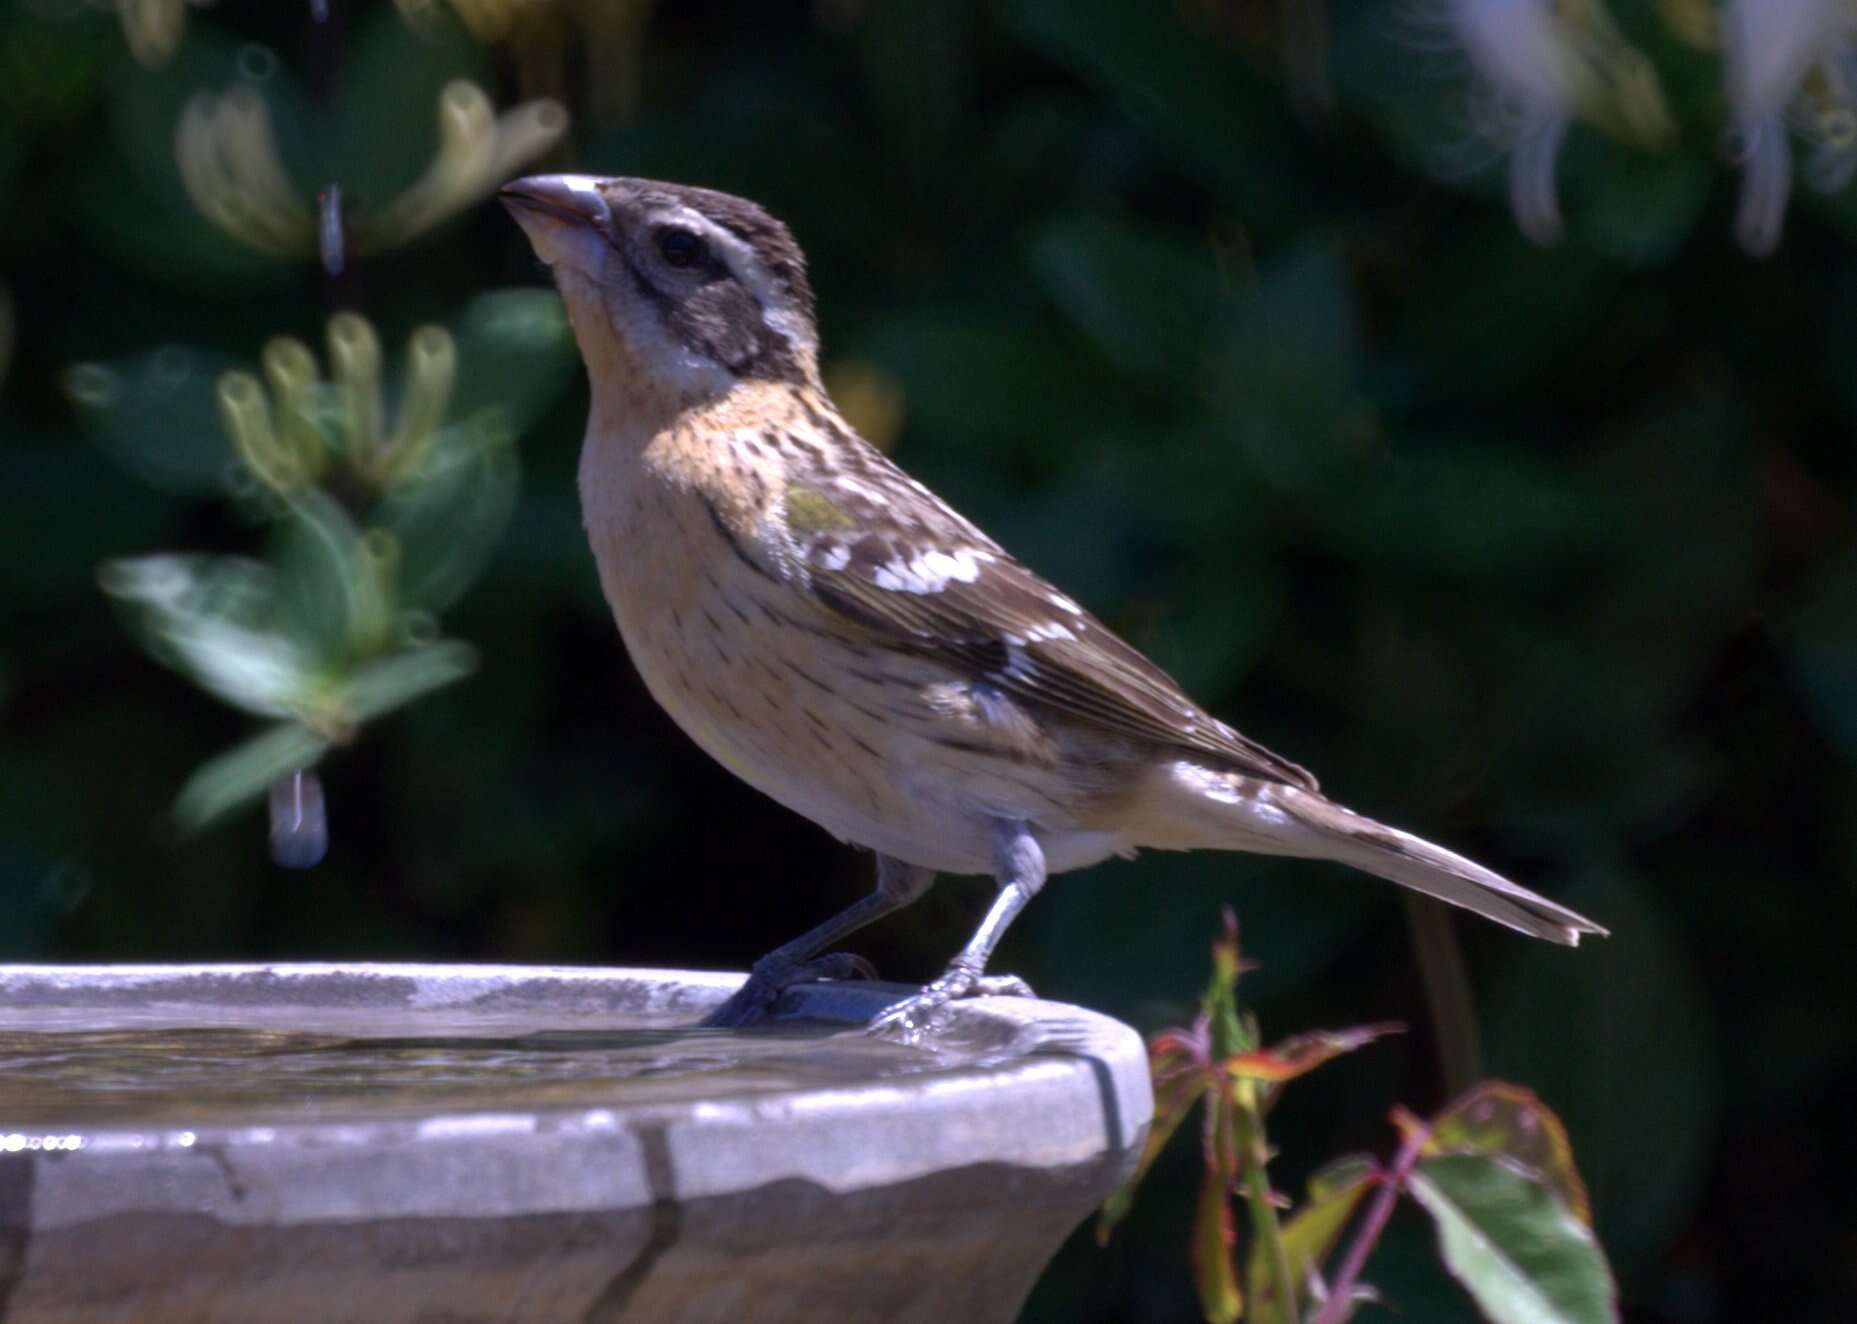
561, 214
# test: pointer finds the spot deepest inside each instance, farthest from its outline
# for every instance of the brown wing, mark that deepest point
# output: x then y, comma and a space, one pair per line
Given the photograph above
934, 585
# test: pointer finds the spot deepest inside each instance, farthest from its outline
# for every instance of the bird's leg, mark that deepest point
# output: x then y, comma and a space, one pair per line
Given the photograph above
1019, 866
791, 963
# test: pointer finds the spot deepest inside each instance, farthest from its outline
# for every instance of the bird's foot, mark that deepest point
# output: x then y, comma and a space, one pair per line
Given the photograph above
914, 1015
751, 1003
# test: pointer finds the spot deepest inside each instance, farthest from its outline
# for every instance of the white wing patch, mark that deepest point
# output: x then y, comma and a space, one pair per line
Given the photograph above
1044, 632
931, 571
857, 487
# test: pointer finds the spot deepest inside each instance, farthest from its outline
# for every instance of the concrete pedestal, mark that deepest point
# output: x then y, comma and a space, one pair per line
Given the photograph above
453, 1144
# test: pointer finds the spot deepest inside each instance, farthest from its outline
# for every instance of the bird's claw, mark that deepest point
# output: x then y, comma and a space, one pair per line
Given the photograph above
753, 1001
908, 1019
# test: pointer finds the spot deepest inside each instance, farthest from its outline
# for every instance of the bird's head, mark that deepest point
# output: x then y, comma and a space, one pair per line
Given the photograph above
683, 290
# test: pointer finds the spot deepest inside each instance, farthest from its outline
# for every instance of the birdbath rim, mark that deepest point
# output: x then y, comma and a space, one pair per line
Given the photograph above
1080, 1077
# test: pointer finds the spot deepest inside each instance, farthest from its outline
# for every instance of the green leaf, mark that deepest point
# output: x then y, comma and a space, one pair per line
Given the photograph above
1518, 1250
1635, 206
1624, 1040
244, 773
1288, 373
1467, 511
393, 682
155, 415
1311, 1232
447, 519
1214, 1273
1210, 108
210, 619
1149, 300
1498, 1120
1017, 387
515, 353
334, 586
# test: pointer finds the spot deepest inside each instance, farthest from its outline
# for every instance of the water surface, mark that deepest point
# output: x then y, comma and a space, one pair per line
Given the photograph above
69, 1070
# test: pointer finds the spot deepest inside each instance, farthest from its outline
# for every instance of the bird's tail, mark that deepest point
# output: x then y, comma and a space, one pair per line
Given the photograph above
1203, 807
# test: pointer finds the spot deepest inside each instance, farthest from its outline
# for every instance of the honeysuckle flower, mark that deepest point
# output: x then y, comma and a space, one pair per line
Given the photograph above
287, 435
477, 150
1788, 63
387, 481
1544, 64
234, 174
232, 170
486, 20
153, 28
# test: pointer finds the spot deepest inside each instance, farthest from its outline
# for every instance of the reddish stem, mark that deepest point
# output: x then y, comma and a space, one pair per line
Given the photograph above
1340, 1303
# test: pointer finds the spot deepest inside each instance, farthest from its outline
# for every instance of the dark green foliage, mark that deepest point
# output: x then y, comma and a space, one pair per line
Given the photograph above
1546, 554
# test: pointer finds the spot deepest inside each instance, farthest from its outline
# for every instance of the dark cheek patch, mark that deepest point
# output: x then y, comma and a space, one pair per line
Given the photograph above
723, 320
720, 320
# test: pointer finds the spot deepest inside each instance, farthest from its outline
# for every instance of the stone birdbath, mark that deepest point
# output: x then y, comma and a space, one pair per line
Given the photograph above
427, 1143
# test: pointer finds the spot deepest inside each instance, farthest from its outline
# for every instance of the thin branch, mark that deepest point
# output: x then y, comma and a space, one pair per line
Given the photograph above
1340, 1303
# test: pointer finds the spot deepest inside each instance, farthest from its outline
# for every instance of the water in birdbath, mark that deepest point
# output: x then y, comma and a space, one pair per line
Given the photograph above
80, 1060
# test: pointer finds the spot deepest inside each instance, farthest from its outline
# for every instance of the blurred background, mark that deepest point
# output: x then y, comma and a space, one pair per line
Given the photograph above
1227, 315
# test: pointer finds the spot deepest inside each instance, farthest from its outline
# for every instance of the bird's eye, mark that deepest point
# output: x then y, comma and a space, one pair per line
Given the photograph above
680, 247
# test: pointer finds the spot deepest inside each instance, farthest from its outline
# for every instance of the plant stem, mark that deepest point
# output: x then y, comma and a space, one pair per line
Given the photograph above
1447, 992
292, 847
1340, 1303
1264, 1224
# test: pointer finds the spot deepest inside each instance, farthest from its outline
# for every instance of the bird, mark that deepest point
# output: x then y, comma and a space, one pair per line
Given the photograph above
845, 641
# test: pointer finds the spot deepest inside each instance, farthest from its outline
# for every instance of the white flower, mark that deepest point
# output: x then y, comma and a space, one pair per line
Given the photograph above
1797, 60
1516, 51
1547, 63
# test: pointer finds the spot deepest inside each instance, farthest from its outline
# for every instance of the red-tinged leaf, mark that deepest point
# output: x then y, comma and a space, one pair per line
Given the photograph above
1173, 1100
1214, 1272
1172, 1049
1303, 1053
1513, 1244
1310, 1234
1498, 1120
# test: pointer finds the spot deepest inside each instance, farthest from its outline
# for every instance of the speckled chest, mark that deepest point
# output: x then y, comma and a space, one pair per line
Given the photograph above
675, 576
737, 654
795, 701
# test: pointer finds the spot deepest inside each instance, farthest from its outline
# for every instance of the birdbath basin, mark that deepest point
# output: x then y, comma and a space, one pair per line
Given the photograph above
386, 1143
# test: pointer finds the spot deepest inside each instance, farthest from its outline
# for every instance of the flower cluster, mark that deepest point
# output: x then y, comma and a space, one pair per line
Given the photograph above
233, 171
384, 500
1788, 67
